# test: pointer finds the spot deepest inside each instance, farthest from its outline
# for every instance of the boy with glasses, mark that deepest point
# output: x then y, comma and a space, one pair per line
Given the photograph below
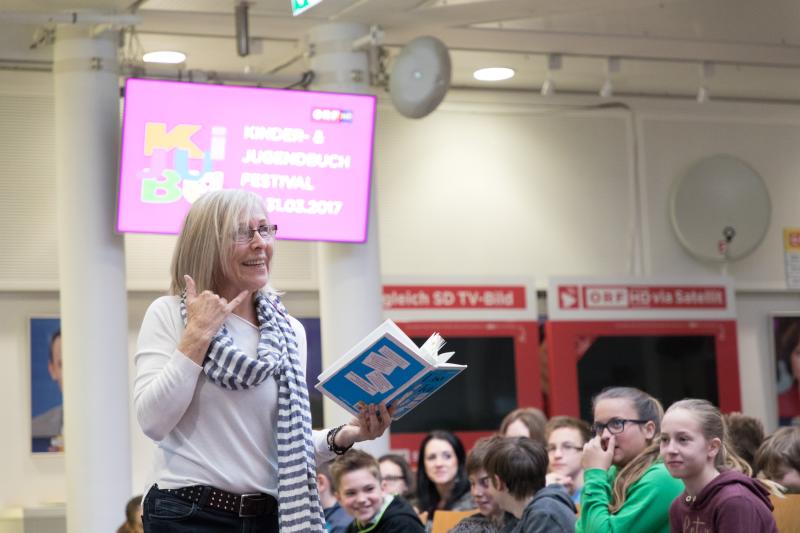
566, 437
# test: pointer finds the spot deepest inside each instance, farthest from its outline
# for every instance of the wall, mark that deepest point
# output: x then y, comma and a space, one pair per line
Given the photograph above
496, 184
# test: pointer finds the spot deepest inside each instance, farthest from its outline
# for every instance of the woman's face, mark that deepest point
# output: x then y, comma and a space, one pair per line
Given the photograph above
250, 261
392, 479
794, 362
517, 428
633, 439
441, 462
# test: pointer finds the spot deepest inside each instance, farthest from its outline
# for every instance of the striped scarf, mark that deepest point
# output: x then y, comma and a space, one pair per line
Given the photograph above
226, 365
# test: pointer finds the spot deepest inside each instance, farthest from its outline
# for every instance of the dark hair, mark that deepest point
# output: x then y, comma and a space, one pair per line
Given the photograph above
351, 461
532, 417
520, 463
53, 338
324, 469
745, 435
558, 422
132, 522
787, 336
426, 490
476, 458
408, 475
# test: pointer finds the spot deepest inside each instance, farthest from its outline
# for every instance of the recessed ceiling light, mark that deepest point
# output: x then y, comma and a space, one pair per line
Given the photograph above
164, 56
493, 74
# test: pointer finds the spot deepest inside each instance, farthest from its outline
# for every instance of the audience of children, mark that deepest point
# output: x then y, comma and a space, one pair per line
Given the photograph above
337, 519
626, 487
357, 478
524, 422
566, 437
635, 469
778, 458
441, 476
396, 476
720, 495
517, 467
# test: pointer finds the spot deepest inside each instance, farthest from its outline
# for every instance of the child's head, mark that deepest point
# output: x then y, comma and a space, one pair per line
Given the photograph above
778, 458
479, 479
694, 441
357, 478
517, 467
524, 422
565, 439
396, 475
745, 435
632, 416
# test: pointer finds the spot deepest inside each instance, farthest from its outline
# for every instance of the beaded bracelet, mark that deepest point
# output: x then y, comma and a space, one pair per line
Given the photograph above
331, 439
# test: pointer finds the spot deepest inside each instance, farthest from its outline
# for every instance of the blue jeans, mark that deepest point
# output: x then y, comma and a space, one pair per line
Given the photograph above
167, 513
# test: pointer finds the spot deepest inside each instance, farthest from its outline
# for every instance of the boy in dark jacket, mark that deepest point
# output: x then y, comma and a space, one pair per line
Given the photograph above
357, 478
517, 469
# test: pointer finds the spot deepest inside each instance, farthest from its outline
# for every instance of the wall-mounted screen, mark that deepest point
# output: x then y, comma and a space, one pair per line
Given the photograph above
309, 154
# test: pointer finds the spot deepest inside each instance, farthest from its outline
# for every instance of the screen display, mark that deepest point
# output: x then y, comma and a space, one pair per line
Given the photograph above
309, 154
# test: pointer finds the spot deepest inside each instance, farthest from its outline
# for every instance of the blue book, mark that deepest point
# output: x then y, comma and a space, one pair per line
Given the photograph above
387, 367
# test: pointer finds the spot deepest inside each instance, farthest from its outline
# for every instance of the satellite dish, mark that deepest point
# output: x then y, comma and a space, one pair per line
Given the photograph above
720, 209
420, 77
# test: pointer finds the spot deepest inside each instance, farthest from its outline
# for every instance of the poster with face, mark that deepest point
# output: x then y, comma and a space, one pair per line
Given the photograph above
47, 419
786, 351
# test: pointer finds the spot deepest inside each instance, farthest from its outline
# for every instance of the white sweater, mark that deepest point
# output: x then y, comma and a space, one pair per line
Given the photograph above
207, 435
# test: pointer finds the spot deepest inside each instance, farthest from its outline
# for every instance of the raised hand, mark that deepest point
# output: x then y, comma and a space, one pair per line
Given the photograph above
370, 424
597, 456
205, 314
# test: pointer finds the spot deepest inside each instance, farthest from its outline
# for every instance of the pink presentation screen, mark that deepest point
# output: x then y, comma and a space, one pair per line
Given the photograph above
308, 154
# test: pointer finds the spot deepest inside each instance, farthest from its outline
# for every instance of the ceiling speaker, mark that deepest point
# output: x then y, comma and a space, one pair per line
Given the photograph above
420, 77
720, 209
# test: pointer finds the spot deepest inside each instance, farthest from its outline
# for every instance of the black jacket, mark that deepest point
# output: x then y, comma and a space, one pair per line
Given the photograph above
399, 517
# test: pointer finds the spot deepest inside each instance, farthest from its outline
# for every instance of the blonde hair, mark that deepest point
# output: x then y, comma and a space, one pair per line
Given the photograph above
649, 409
713, 426
533, 418
206, 242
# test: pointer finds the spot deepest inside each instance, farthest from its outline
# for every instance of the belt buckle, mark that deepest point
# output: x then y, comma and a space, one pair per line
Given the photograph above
246, 497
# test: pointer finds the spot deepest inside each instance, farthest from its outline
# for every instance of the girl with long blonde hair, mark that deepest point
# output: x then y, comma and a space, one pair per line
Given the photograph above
625, 485
720, 495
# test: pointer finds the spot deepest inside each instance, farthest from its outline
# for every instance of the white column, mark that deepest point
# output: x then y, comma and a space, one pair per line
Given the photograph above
92, 280
350, 294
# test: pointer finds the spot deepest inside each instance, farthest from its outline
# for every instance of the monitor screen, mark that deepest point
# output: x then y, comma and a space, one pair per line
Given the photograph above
309, 154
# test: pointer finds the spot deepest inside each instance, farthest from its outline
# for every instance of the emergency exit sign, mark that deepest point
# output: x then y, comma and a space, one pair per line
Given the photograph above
299, 6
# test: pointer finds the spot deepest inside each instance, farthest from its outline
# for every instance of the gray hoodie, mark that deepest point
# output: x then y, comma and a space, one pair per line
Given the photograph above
551, 510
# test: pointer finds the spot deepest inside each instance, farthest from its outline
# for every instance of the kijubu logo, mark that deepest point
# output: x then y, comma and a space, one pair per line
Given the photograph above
167, 182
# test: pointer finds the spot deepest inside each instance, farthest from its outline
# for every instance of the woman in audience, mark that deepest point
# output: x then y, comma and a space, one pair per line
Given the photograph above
566, 437
788, 369
625, 485
524, 422
778, 458
720, 495
396, 476
441, 477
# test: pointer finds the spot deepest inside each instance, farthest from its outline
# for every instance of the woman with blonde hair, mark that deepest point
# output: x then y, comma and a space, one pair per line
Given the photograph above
625, 485
720, 495
221, 388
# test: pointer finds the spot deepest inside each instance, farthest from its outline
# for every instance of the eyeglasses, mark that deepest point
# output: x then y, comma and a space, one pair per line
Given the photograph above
394, 478
615, 425
566, 447
246, 234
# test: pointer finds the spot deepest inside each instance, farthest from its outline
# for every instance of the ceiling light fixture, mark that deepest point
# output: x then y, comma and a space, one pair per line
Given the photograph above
242, 28
612, 67
493, 74
706, 73
553, 64
171, 57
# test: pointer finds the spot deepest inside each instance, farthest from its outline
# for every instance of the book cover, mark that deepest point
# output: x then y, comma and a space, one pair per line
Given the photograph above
387, 367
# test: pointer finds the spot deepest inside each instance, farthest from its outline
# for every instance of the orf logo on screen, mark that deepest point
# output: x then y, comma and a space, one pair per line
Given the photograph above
319, 114
568, 297
168, 181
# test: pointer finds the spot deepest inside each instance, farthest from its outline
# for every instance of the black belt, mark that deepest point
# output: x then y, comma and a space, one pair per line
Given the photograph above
245, 505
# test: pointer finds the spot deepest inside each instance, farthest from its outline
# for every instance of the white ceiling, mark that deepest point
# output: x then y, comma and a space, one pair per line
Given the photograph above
754, 46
